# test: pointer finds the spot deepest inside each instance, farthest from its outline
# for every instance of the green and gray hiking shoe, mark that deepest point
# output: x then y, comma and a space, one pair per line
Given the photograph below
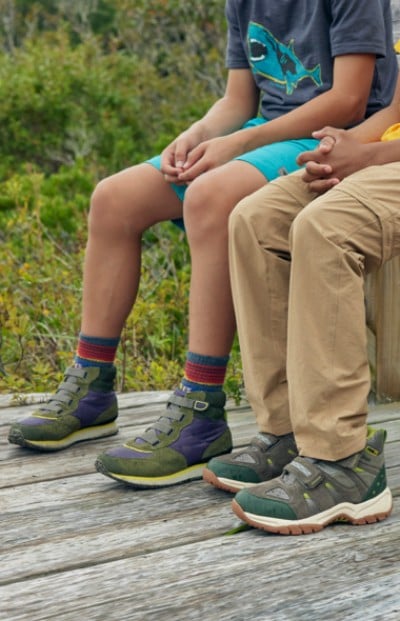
83, 408
312, 493
175, 448
262, 460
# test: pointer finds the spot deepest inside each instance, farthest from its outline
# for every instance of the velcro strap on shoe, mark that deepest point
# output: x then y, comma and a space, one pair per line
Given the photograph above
192, 404
76, 372
68, 387
265, 439
306, 472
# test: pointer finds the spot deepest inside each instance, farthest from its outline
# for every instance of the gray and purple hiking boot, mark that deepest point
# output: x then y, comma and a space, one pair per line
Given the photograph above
176, 447
83, 408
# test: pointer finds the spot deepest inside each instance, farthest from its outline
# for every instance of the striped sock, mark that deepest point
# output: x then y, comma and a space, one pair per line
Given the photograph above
95, 351
204, 372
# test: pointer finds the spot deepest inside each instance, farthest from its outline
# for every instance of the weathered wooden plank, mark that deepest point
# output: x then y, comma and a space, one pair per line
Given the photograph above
40, 533
330, 575
133, 405
384, 412
131, 411
31, 468
103, 491
114, 537
20, 466
34, 469
388, 332
61, 530
133, 399
383, 316
131, 419
92, 494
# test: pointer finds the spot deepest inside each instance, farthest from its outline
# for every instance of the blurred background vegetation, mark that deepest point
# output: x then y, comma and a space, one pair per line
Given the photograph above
89, 87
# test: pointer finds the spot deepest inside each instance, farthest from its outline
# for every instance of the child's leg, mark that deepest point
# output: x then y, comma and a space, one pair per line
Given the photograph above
340, 472
260, 268
122, 208
260, 265
193, 428
208, 203
348, 231
85, 405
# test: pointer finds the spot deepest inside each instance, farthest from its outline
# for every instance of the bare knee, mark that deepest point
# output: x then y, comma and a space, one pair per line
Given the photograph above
114, 207
105, 207
206, 210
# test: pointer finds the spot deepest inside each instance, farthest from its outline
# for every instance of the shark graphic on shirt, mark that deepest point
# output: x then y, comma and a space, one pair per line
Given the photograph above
277, 61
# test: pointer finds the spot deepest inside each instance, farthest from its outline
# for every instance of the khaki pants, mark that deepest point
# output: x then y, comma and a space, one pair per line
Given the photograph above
297, 268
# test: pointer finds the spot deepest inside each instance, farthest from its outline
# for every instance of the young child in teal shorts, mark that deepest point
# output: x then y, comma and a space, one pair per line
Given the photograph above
290, 72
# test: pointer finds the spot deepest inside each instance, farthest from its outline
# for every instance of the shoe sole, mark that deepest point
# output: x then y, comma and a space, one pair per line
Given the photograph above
228, 485
374, 510
183, 476
89, 433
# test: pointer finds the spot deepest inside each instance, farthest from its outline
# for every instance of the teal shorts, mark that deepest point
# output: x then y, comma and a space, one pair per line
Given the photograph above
272, 160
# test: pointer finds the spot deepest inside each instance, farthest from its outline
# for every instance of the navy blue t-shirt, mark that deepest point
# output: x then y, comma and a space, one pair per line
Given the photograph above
290, 45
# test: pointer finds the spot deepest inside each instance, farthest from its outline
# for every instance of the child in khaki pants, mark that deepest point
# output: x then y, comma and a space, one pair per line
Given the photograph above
299, 250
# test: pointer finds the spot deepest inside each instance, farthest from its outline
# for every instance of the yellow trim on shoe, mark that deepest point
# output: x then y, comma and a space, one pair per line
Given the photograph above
88, 433
188, 474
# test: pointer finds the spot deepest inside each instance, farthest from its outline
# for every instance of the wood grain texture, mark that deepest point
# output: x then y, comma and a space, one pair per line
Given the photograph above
76, 545
383, 316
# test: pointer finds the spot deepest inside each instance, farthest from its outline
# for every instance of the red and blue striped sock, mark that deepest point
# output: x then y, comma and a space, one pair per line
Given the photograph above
94, 351
204, 372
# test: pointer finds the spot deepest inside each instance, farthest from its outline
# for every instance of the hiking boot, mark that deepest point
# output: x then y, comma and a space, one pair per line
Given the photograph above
312, 493
83, 408
262, 460
176, 447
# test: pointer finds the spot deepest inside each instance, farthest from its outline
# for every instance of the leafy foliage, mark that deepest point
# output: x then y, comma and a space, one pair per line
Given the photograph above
89, 87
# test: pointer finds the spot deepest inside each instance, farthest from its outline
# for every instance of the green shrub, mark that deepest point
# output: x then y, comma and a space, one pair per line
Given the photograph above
88, 88
40, 306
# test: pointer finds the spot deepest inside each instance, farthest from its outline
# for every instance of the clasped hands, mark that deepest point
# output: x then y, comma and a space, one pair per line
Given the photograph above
337, 156
189, 156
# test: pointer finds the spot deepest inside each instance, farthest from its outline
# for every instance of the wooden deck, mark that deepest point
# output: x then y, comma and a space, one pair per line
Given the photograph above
75, 545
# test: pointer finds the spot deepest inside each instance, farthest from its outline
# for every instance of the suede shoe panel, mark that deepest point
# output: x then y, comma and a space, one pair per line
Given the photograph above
78, 410
176, 447
312, 493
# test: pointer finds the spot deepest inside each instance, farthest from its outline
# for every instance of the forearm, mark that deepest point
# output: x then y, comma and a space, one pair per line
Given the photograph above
384, 152
372, 128
326, 109
226, 116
